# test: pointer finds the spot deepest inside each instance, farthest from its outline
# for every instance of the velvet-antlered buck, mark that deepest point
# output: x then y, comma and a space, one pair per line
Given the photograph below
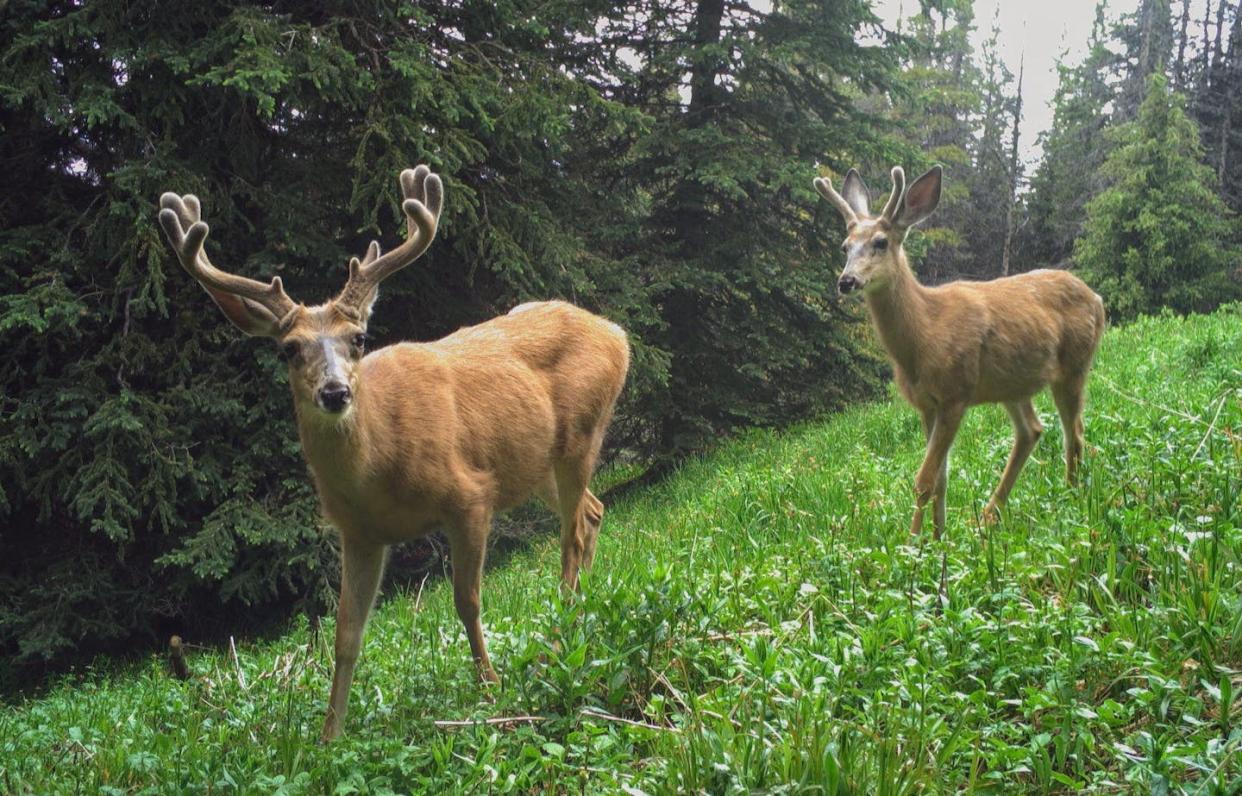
419, 436
967, 343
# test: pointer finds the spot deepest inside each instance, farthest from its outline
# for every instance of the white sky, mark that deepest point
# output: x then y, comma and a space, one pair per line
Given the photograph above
1042, 29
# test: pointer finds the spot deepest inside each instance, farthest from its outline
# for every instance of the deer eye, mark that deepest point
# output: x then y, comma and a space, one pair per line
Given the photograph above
290, 351
360, 342
880, 244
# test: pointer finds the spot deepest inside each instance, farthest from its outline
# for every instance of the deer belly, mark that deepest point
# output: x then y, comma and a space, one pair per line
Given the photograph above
525, 468
384, 519
513, 446
1017, 382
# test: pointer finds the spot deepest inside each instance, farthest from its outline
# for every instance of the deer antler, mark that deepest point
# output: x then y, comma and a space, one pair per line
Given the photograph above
824, 186
423, 199
894, 198
180, 218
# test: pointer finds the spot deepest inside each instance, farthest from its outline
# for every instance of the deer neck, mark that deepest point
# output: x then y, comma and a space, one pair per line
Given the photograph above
898, 309
335, 447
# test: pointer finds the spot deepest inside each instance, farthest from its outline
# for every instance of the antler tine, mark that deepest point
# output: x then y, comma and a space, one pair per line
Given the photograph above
824, 186
373, 251
423, 199
179, 212
894, 198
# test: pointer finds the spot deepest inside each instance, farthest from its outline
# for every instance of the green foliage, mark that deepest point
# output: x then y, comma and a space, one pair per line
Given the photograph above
762, 622
149, 468
935, 107
1158, 236
736, 246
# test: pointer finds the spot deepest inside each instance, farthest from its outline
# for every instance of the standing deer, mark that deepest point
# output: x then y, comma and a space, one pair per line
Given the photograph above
967, 343
418, 436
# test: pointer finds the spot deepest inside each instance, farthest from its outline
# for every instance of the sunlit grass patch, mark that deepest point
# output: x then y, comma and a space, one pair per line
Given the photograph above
762, 622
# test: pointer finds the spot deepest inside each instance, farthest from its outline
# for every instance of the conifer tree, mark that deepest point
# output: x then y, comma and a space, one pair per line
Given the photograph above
148, 461
1074, 148
743, 102
1158, 235
149, 468
938, 107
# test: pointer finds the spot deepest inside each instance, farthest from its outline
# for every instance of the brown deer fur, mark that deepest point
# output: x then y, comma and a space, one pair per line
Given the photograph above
967, 343
419, 436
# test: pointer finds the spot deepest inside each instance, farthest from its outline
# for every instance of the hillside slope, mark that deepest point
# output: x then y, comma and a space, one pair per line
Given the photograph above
761, 621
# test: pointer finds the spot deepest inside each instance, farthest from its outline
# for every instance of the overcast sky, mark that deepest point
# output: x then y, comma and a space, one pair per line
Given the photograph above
1040, 29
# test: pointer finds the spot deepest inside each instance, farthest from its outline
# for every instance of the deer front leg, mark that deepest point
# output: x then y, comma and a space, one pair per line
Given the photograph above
468, 546
361, 566
933, 472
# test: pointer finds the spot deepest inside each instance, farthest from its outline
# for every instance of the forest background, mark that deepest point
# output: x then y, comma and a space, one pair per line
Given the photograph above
648, 160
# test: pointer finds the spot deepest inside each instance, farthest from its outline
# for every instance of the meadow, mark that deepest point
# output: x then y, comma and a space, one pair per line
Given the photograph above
762, 622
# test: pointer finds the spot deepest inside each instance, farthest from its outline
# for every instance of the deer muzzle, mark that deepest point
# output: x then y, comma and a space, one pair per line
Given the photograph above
335, 397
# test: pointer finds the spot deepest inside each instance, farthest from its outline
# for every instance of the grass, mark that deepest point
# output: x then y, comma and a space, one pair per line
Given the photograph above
761, 622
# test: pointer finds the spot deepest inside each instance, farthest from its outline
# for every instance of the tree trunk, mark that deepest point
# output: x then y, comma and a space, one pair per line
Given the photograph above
1232, 74
1013, 170
1206, 55
687, 209
1179, 71
1220, 24
708, 16
1145, 15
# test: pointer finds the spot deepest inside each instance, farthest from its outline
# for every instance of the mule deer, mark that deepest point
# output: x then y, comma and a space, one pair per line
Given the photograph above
418, 436
967, 343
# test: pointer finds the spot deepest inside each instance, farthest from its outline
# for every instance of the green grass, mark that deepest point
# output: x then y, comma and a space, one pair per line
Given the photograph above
761, 622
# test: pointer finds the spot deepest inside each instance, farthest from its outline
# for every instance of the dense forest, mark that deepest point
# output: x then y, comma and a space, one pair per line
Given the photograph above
649, 160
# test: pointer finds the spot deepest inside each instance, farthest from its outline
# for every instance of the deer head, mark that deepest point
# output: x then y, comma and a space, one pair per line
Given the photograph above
873, 244
322, 344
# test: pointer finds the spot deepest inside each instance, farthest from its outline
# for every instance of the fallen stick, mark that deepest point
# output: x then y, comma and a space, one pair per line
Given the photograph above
447, 724
241, 676
599, 714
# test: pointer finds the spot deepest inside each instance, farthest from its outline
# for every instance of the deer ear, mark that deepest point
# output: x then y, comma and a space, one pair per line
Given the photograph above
856, 194
920, 199
249, 316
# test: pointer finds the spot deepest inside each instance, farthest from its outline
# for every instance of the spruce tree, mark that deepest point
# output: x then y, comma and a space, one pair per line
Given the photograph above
1158, 235
743, 102
149, 468
938, 107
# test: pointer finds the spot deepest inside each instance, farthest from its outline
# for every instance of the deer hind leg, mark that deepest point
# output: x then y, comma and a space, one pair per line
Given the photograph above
577, 508
571, 484
593, 512
361, 567
931, 481
1068, 398
548, 495
582, 513
468, 547
1026, 432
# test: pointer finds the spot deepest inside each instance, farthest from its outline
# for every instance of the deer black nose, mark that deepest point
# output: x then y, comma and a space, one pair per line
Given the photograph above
847, 284
334, 396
